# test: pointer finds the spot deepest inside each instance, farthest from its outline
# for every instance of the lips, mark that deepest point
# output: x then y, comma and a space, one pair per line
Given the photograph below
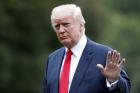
63, 37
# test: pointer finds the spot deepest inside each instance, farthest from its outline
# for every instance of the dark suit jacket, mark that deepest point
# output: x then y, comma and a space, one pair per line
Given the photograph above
87, 78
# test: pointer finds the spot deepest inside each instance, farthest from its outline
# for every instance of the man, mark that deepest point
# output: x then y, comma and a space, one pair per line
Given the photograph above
81, 66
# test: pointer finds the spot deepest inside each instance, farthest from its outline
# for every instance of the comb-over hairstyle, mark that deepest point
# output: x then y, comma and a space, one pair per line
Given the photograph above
71, 9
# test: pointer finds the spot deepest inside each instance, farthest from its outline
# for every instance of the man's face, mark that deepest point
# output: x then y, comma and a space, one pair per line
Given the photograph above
67, 30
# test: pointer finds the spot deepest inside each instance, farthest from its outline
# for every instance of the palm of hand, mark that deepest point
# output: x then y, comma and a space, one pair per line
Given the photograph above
112, 69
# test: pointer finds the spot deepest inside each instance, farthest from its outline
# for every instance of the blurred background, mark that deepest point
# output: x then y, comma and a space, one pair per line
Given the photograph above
26, 38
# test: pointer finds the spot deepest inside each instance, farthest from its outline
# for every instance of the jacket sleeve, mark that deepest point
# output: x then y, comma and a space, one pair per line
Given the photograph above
45, 87
123, 85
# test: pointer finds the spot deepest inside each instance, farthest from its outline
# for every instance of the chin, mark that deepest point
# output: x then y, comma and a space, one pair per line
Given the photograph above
67, 44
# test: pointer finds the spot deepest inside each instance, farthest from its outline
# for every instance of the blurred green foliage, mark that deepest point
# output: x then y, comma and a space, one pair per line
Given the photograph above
26, 38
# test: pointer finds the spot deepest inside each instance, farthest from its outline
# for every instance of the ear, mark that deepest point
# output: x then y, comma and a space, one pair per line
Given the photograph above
81, 27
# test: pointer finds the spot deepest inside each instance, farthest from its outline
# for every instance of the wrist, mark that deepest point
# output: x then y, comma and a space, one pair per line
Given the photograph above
112, 80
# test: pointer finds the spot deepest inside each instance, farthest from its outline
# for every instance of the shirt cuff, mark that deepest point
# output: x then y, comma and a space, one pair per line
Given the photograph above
111, 86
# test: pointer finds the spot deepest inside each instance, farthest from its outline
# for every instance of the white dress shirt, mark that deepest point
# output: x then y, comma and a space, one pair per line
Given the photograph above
77, 51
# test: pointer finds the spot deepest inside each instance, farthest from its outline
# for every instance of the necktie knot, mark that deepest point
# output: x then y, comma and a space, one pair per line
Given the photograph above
69, 52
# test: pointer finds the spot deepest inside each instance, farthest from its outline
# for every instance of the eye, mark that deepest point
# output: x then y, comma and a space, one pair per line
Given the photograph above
66, 24
57, 26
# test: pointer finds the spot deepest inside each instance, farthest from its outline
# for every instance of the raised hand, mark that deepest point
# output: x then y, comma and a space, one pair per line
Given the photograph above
113, 66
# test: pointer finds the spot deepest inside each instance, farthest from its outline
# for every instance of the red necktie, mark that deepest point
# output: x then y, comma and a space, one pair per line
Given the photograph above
64, 78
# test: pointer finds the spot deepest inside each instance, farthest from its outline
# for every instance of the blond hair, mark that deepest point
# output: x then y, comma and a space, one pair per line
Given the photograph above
74, 10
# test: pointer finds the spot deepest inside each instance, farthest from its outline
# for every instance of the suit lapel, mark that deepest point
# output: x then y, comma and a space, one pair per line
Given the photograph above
82, 67
56, 70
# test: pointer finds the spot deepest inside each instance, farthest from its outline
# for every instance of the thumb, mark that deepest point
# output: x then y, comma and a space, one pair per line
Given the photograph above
100, 66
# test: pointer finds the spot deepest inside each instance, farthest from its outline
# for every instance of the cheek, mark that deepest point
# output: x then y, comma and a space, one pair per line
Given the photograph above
74, 36
57, 35
75, 33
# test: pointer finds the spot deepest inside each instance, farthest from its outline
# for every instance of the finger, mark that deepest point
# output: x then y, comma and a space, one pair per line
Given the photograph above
114, 55
100, 66
118, 58
108, 57
111, 55
109, 60
121, 62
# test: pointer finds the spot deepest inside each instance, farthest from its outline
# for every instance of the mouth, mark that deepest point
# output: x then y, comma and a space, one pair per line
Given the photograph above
63, 37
